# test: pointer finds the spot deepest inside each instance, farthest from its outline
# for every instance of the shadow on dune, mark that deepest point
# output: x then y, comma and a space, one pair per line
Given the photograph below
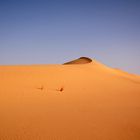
81, 60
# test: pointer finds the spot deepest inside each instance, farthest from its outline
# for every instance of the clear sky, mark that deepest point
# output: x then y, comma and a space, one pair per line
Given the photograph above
55, 31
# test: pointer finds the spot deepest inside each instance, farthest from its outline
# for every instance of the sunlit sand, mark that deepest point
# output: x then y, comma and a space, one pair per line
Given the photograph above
78, 100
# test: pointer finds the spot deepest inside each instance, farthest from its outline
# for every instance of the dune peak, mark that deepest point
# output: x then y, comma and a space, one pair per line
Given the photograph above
81, 60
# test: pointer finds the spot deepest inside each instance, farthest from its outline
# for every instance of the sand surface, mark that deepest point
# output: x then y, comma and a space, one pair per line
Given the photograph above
88, 101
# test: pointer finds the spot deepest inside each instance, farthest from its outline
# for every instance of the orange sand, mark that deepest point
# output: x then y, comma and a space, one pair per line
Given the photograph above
88, 101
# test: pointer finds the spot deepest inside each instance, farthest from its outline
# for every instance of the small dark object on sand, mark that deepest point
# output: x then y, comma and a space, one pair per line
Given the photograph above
61, 89
41, 88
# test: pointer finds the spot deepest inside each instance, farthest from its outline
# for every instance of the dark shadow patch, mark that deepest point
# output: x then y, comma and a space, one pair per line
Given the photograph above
81, 60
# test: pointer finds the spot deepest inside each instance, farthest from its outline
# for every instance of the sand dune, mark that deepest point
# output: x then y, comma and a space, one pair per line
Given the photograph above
88, 101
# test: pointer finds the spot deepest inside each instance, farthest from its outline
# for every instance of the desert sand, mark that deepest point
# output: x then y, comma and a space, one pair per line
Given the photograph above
80, 100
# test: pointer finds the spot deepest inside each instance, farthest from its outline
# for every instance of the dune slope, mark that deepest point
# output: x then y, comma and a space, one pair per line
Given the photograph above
88, 101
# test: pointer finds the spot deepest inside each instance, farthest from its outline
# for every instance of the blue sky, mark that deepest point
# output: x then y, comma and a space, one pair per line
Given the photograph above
55, 31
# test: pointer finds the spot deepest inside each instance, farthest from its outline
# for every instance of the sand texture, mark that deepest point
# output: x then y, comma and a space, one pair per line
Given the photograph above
80, 100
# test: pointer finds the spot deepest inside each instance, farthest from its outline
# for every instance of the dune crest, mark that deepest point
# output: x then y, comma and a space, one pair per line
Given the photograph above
81, 60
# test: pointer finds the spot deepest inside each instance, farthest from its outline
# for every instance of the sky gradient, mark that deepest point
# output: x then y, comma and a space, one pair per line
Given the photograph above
56, 31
